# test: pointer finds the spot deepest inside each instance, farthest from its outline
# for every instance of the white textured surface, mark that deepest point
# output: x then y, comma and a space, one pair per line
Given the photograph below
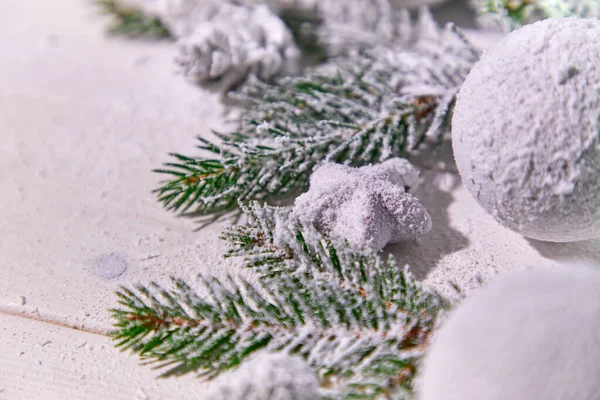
525, 130
530, 335
83, 120
41, 361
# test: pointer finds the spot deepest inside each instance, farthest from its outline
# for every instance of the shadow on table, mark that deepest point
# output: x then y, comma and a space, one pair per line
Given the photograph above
424, 253
457, 11
586, 251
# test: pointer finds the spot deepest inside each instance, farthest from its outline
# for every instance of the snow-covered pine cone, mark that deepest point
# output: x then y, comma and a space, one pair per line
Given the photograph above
238, 41
183, 16
268, 376
341, 25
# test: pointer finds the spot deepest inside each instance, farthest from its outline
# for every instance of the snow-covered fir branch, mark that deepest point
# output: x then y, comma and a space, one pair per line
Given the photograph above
359, 321
348, 26
508, 15
365, 109
222, 42
132, 21
340, 23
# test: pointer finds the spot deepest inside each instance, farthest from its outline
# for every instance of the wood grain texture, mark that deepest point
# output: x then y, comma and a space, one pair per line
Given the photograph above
84, 120
41, 361
86, 117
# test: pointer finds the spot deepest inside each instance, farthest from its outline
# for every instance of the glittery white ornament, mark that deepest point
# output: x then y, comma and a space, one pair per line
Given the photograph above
525, 130
367, 206
530, 335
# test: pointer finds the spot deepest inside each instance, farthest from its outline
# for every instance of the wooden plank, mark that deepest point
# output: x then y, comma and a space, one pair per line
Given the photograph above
84, 120
49, 362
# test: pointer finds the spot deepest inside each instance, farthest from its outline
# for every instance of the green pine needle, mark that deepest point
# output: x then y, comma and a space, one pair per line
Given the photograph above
361, 322
132, 22
353, 117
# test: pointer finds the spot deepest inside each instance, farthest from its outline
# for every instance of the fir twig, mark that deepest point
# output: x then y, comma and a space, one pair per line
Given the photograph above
513, 14
129, 21
356, 117
359, 321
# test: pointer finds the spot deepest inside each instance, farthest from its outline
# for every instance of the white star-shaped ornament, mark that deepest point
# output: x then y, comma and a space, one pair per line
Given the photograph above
368, 206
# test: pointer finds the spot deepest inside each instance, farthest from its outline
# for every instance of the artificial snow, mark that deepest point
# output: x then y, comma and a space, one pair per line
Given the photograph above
529, 335
368, 206
110, 266
525, 130
268, 376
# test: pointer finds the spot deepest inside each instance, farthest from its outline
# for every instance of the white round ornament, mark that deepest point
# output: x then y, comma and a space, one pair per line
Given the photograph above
525, 130
531, 335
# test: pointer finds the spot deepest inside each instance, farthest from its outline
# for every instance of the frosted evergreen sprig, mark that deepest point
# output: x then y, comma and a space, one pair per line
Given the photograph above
372, 107
363, 332
338, 25
508, 15
348, 26
265, 159
273, 244
132, 21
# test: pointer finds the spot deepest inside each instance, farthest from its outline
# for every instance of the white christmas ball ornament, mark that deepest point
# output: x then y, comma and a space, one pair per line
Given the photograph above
525, 130
531, 335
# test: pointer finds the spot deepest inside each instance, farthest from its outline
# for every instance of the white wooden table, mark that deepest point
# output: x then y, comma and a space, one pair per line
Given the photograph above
83, 120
